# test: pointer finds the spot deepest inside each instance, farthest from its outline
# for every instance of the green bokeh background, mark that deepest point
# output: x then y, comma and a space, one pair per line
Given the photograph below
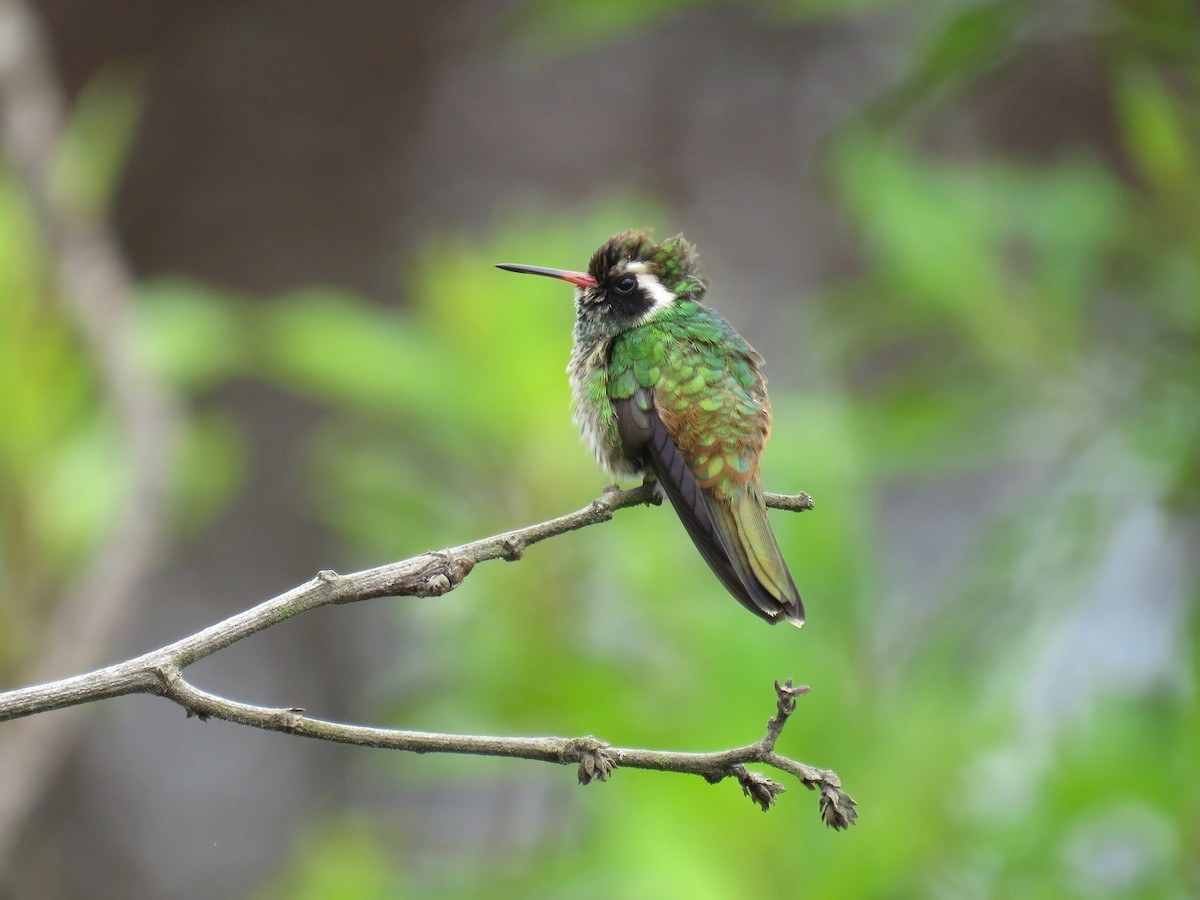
1019, 332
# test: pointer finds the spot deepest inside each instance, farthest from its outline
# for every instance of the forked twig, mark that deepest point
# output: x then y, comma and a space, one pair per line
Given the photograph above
161, 672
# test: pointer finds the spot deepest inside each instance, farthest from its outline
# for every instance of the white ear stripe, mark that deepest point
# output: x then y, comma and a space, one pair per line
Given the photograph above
660, 297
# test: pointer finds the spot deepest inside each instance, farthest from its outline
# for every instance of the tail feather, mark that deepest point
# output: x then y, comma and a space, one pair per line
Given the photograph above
755, 551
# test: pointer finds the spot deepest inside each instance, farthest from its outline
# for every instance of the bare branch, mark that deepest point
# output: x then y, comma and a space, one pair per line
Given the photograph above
431, 574
595, 759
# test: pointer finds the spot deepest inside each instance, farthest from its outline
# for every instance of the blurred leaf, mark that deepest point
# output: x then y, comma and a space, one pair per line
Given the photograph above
968, 38
972, 37
1153, 128
804, 10
337, 861
52, 439
80, 489
1006, 255
45, 376
209, 471
566, 26
1161, 30
96, 141
189, 335
344, 351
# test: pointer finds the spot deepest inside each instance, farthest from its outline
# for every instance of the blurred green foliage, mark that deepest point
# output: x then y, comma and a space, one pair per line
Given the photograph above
1035, 322
65, 466
51, 433
1030, 323
62, 476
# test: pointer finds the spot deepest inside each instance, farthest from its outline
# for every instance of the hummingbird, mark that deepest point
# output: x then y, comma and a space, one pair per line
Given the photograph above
664, 388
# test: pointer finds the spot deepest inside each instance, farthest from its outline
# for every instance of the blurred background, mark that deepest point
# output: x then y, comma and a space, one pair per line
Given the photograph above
250, 328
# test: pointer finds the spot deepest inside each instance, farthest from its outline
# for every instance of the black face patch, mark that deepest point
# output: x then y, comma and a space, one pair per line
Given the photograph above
626, 297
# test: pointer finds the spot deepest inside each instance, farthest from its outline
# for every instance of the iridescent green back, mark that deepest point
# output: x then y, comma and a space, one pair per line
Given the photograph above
707, 389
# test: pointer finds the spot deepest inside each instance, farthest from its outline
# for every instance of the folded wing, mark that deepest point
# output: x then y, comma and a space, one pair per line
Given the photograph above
729, 527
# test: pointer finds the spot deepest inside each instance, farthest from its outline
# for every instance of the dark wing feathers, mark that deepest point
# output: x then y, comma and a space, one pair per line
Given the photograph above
644, 435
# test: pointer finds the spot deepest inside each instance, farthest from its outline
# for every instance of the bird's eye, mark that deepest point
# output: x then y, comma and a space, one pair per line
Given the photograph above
625, 285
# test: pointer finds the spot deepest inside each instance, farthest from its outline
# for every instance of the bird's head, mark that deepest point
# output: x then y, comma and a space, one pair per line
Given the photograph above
629, 280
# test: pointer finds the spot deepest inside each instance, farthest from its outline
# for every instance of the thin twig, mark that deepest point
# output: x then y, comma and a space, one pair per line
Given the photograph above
596, 759
431, 574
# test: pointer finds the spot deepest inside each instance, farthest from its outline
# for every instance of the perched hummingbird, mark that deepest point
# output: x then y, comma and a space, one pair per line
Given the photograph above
664, 386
